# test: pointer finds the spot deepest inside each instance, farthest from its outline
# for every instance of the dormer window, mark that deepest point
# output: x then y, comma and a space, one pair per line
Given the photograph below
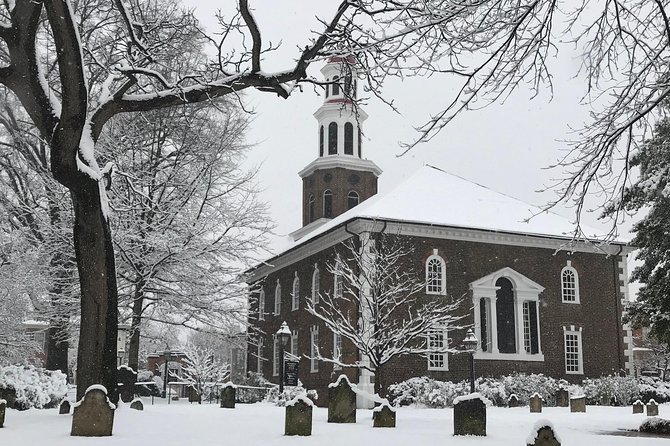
348, 138
332, 138
352, 199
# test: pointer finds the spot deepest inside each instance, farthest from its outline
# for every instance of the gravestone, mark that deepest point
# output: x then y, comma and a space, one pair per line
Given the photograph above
652, 408
543, 435
127, 377
383, 415
638, 407
3, 409
536, 403
94, 414
513, 401
64, 408
9, 395
613, 401
137, 404
470, 415
228, 393
562, 398
194, 396
341, 401
298, 419
578, 404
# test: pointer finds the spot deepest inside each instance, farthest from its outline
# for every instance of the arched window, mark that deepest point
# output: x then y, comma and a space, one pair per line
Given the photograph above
352, 199
435, 274
261, 305
332, 138
327, 88
569, 284
316, 285
336, 86
360, 144
310, 208
321, 140
338, 286
278, 298
505, 316
295, 295
348, 139
328, 204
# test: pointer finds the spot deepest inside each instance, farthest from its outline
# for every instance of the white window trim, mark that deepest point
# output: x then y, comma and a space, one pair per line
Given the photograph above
337, 349
445, 355
278, 298
295, 294
261, 305
338, 284
443, 274
576, 276
259, 356
315, 286
313, 349
572, 330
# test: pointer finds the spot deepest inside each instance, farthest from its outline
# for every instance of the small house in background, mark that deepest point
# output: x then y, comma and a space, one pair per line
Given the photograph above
37, 331
175, 361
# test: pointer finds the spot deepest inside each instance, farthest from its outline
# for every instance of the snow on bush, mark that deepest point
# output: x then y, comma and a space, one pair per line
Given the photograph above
34, 386
625, 389
289, 394
654, 388
655, 425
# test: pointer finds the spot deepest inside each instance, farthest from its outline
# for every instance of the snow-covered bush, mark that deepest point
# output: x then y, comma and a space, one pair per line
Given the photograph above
656, 426
290, 393
256, 394
654, 388
625, 389
34, 386
523, 386
423, 391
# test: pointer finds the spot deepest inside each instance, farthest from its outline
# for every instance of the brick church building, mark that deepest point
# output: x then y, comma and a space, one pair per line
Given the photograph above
538, 301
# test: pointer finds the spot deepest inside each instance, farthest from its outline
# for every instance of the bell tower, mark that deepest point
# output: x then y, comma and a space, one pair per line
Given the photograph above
339, 178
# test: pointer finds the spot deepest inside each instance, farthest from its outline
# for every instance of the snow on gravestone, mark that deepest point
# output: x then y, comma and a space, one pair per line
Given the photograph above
535, 403
513, 401
94, 414
578, 403
470, 415
341, 401
228, 395
383, 415
638, 406
562, 397
127, 377
298, 419
3, 408
64, 408
137, 404
652, 408
543, 434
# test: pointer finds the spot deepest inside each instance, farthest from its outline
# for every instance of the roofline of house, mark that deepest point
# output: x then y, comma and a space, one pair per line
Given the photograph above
357, 225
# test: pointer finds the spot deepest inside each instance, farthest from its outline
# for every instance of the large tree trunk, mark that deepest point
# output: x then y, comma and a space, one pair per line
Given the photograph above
58, 345
96, 362
136, 321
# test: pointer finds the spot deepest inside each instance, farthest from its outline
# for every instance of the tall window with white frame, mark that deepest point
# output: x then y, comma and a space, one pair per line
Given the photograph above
261, 305
574, 364
259, 356
295, 293
275, 355
337, 350
278, 298
294, 343
316, 284
338, 286
435, 274
437, 343
314, 349
569, 284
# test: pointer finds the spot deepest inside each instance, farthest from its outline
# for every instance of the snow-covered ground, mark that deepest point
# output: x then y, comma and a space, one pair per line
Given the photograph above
182, 424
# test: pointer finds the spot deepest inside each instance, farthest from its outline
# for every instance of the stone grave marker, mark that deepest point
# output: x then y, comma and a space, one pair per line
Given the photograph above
9, 395
535, 403
3, 409
228, 394
127, 378
298, 420
194, 396
470, 415
543, 434
341, 401
64, 408
562, 398
638, 407
94, 414
578, 403
137, 404
383, 415
513, 401
652, 408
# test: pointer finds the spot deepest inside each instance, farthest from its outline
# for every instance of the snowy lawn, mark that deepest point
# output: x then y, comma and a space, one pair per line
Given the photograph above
182, 424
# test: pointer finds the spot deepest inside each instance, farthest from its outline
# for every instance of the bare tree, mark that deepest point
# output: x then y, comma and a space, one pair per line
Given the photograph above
203, 369
379, 305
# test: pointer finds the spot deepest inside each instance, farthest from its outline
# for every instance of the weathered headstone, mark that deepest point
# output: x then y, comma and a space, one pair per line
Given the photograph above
578, 403
383, 415
194, 396
535, 403
175, 398
3, 408
137, 404
562, 398
298, 419
513, 401
94, 414
228, 393
638, 407
614, 401
127, 377
470, 415
64, 408
543, 434
652, 408
341, 401
9, 395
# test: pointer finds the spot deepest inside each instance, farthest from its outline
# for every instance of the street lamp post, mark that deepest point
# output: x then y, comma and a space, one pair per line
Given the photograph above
470, 342
283, 335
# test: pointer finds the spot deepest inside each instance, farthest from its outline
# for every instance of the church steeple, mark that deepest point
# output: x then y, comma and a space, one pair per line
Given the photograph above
339, 178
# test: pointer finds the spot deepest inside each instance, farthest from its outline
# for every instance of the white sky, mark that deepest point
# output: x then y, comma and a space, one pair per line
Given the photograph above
505, 146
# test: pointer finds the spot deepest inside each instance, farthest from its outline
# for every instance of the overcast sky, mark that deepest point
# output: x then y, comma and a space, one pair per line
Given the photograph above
505, 146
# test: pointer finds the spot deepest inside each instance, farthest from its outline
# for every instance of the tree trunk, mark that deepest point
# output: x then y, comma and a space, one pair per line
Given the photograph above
97, 352
57, 345
379, 382
136, 321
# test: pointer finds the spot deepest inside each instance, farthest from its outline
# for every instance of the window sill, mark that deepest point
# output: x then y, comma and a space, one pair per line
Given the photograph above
570, 302
574, 373
509, 357
438, 369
